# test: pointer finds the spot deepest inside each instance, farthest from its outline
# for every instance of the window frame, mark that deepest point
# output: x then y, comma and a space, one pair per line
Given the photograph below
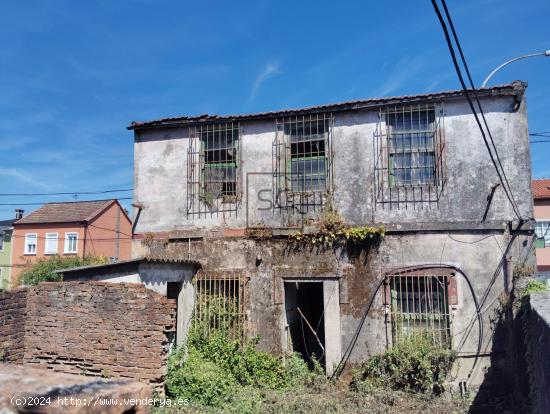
418, 317
544, 233
28, 236
67, 243
47, 239
2, 240
225, 165
428, 132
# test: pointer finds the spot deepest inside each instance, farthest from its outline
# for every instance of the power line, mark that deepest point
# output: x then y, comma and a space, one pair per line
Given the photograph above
479, 104
66, 193
504, 180
49, 202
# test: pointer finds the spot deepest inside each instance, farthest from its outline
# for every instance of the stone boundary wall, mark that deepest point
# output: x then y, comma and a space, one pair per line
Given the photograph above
13, 305
112, 330
537, 341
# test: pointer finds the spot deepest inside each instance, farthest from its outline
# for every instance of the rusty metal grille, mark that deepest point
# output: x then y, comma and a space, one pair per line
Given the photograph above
220, 304
419, 303
213, 168
409, 156
302, 161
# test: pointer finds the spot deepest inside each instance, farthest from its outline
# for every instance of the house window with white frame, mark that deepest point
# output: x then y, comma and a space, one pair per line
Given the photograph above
1, 241
50, 247
542, 231
30, 243
71, 243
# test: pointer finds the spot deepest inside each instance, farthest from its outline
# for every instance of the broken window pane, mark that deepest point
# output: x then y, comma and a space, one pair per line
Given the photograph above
219, 144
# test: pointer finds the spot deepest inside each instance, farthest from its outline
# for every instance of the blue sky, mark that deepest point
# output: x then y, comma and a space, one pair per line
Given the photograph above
74, 74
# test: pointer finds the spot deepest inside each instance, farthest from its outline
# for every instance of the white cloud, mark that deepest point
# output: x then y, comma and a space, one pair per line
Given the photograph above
270, 70
22, 177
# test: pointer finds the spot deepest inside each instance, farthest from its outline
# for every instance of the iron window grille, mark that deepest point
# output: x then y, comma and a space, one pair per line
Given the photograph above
213, 168
409, 164
302, 160
220, 304
419, 302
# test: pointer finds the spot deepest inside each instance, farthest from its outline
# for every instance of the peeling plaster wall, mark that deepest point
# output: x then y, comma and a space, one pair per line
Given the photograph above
161, 172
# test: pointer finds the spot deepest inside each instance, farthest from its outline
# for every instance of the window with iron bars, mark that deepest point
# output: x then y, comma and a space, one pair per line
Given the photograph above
420, 303
220, 304
302, 157
213, 168
409, 155
411, 149
219, 170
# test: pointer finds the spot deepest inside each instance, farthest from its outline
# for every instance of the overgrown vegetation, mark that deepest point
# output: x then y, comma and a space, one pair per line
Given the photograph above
416, 363
218, 375
218, 372
331, 227
44, 269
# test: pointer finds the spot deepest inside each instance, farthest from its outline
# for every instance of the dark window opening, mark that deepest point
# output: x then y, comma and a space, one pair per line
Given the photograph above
305, 318
411, 149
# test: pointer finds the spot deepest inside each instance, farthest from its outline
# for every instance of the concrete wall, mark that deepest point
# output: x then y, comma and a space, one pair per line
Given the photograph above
160, 162
358, 273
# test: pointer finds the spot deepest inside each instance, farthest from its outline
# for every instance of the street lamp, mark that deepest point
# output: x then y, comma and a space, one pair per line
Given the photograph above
545, 53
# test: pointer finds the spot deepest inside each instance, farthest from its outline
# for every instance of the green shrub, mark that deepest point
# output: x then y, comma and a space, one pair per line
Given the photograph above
219, 371
44, 269
198, 379
416, 363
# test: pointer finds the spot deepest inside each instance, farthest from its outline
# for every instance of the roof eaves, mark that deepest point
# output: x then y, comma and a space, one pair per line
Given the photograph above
516, 87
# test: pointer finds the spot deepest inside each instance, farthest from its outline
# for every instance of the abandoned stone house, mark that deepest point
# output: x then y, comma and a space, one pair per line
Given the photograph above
232, 192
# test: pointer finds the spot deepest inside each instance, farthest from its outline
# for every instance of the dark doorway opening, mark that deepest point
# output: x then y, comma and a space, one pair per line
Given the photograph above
305, 319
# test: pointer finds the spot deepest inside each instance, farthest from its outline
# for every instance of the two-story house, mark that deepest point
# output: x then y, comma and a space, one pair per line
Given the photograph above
236, 192
541, 199
81, 228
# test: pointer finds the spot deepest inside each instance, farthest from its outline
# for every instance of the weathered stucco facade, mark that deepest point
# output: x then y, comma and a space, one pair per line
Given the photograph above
466, 230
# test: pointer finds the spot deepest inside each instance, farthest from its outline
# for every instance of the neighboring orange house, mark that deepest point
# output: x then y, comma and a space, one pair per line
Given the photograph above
81, 228
541, 201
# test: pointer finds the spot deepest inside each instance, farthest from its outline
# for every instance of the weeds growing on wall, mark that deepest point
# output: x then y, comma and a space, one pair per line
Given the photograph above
331, 227
44, 269
416, 363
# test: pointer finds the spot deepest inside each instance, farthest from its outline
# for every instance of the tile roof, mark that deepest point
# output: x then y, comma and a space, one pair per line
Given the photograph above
68, 212
511, 88
541, 189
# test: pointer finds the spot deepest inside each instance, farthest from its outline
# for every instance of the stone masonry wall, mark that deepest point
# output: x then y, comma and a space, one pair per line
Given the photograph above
12, 325
100, 329
537, 338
